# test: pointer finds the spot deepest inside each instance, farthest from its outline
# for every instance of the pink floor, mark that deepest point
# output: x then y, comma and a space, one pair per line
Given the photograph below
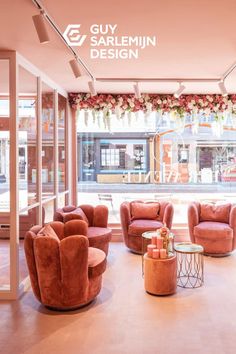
124, 319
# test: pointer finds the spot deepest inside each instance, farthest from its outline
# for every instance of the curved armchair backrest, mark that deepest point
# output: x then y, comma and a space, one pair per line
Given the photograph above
58, 269
96, 216
165, 214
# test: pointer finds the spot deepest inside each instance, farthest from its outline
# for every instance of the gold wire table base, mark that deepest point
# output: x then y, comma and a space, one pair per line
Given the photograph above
190, 269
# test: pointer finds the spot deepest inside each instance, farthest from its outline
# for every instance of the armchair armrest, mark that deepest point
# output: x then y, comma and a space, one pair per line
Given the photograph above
125, 219
232, 223
100, 217
193, 219
168, 215
232, 217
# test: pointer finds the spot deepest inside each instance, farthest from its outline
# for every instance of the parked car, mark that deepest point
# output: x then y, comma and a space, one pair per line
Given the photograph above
3, 179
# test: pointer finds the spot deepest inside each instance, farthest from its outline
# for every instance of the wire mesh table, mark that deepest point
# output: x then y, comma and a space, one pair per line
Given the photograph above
190, 265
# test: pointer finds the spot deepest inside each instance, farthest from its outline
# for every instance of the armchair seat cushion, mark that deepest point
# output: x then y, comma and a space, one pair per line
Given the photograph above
213, 230
98, 232
137, 227
96, 262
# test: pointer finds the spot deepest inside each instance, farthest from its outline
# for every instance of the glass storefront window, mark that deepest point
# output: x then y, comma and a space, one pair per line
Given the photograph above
88, 160
123, 155
4, 107
27, 138
47, 141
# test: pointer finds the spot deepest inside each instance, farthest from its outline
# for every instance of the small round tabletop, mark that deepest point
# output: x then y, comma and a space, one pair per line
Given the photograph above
188, 247
150, 234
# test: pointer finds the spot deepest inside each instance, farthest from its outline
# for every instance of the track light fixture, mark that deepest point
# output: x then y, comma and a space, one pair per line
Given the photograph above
137, 93
75, 67
92, 88
41, 28
180, 90
222, 88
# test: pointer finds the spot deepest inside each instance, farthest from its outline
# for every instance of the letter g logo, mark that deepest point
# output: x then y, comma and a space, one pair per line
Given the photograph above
72, 35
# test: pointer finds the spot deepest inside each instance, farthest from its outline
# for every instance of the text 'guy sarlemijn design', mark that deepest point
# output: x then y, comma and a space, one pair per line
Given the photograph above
104, 42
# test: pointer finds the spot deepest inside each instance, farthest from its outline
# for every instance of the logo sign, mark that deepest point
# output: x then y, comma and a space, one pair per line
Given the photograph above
106, 43
72, 35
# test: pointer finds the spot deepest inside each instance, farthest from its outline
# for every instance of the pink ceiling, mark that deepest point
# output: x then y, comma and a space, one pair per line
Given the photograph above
195, 39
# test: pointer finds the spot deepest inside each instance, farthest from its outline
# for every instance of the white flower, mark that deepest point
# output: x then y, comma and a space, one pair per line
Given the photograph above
207, 111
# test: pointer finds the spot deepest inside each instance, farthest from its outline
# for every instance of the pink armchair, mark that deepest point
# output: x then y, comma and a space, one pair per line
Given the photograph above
65, 272
96, 218
138, 217
213, 227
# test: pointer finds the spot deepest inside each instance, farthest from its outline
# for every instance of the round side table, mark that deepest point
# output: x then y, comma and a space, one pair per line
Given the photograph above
147, 239
190, 265
160, 275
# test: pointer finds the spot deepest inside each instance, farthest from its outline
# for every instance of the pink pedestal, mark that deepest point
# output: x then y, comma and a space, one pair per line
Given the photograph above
160, 275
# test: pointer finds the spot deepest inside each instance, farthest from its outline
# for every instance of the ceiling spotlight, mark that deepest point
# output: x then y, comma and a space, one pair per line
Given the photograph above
92, 88
41, 28
180, 90
75, 67
222, 88
137, 93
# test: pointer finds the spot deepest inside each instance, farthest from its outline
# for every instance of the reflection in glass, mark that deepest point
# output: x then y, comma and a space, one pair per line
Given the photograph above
47, 141
49, 211
61, 143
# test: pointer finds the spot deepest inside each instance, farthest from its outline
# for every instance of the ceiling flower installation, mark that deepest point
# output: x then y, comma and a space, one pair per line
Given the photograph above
196, 107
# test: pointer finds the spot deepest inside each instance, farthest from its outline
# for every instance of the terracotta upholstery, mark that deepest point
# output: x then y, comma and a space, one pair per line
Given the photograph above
96, 218
160, 275
133, 228
213, 227
65, 272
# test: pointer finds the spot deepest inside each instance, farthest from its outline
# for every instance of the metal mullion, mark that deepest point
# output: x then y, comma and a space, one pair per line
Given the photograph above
55, 149
66, 147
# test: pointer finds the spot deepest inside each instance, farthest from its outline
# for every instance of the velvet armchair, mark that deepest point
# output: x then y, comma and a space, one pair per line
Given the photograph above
138, 217
213, 227
65, 272
96, 218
